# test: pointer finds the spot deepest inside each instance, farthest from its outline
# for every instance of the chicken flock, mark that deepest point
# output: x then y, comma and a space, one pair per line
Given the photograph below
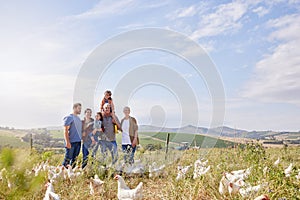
232, 183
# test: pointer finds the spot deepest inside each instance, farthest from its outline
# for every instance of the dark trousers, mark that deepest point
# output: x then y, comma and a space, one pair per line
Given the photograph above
128, 151
85, 155
72, 154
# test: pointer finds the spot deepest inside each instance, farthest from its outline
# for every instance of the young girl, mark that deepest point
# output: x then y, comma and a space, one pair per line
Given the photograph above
97, 132
87, 128
107, 99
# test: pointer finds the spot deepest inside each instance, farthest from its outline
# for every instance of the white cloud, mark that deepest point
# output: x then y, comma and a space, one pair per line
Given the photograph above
277, 74
188, 12
225, 18
106, 8
261, 11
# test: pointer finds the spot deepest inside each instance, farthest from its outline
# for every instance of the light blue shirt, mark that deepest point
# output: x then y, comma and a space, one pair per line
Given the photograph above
75, 130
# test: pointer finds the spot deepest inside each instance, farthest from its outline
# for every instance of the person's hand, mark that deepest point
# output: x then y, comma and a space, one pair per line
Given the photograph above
94, 131
113, 115
68, 145
83, 134
134, 142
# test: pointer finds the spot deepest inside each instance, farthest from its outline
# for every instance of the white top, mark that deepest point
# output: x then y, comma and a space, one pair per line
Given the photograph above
125, 133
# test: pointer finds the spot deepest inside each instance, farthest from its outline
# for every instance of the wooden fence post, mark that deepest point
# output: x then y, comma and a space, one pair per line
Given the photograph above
31, 141
167, 145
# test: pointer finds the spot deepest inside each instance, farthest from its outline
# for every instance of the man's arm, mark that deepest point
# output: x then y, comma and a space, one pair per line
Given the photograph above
134, 142
116, 120
66, 135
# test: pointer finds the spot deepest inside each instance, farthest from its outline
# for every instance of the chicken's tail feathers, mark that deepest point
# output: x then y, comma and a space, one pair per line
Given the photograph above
54, 196
139, 187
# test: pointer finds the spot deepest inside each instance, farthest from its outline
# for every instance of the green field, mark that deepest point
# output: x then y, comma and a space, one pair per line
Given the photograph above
144, 140
198, 140
57, 133
10, 139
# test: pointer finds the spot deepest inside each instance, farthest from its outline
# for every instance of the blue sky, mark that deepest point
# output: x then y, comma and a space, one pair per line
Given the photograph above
254, 44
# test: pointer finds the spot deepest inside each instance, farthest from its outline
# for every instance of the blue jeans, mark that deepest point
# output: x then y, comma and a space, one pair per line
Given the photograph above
85, 155
71, 154
112, 147
128, 151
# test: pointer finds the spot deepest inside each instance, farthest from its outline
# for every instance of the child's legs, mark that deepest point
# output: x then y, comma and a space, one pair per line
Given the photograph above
125, 150
95, 149
114, 151
104, 145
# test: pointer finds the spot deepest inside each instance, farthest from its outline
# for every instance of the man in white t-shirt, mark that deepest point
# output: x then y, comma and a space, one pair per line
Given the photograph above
130, 138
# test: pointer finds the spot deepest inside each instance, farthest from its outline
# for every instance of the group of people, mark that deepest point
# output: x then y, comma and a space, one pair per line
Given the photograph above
89, 135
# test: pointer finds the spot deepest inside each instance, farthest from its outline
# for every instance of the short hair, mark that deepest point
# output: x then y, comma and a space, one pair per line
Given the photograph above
109, 98
126, 107
99, 113
86, 110
108, 92
76, 105
105, 105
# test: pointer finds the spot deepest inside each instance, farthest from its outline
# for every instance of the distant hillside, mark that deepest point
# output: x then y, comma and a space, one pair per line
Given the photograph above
195, 140
222, 131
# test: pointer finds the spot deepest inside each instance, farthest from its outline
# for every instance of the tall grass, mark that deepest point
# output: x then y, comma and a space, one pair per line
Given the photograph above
18, 164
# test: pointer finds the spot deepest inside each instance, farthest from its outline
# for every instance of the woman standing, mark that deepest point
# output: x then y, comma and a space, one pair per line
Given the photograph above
87, 128
130, 138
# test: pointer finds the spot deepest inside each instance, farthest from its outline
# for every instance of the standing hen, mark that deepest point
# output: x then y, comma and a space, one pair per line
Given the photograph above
125, 193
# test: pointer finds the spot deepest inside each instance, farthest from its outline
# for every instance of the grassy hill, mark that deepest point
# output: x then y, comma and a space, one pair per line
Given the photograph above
198, 140
12, 138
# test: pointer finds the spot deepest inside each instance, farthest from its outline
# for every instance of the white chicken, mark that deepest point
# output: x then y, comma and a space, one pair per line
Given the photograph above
288, 170
71, 174
50, 192
9, 184
262, 197
95, 183
265, 170
182, 171
242, 174
200, 168
125, 193
155, 171
276, 163
57, 173
137, 168
230, 186
250, 190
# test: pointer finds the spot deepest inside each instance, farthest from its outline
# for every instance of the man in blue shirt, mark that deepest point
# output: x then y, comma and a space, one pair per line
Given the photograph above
72, 134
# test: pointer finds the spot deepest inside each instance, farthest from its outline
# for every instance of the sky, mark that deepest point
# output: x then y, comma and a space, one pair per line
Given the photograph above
253, 44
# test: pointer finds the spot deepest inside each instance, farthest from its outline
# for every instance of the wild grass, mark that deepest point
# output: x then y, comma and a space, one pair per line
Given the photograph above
19, 162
